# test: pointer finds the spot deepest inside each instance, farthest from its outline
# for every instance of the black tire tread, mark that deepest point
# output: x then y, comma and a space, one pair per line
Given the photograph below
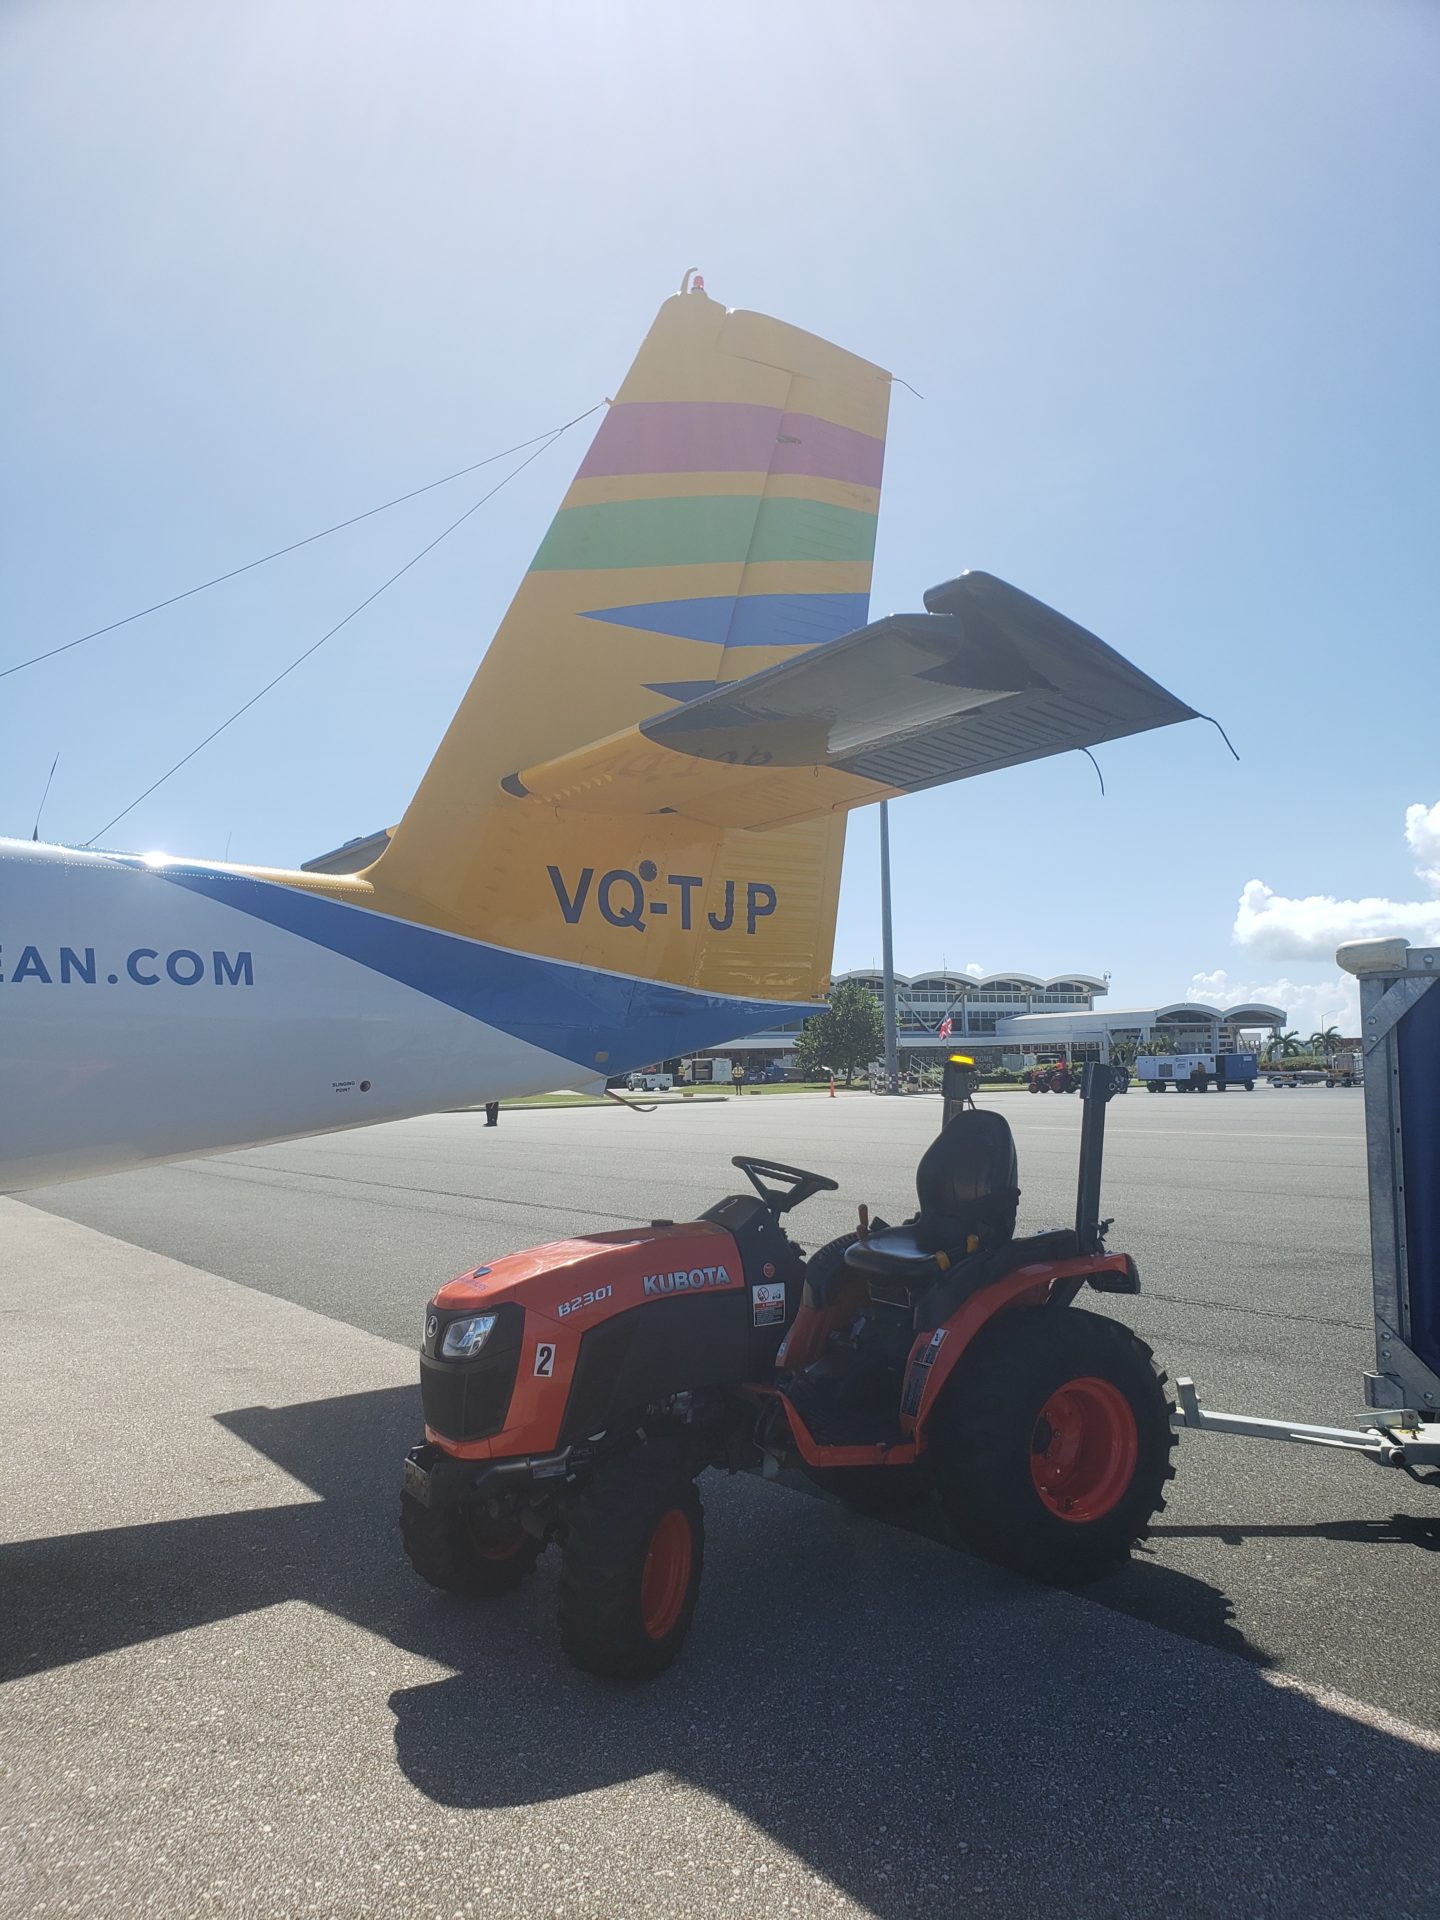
982, 1435
439, 1547
603, 1553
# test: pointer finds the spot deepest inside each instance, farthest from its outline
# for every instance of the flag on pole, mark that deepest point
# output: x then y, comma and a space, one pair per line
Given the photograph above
947, 1027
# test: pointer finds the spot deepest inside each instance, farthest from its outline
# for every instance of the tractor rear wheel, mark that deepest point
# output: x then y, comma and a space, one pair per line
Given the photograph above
1053, 1444
449, 1548
633, 1551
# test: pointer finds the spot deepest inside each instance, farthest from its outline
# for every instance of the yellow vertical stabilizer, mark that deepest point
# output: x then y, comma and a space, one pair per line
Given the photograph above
722, 522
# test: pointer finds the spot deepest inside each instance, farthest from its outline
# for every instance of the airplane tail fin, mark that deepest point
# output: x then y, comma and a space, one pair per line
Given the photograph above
722, 523
650, 773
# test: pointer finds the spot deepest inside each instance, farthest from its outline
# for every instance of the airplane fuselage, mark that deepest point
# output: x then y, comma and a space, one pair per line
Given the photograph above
152, 1009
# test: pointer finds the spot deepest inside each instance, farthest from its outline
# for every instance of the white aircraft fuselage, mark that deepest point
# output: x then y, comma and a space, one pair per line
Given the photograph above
141, 1019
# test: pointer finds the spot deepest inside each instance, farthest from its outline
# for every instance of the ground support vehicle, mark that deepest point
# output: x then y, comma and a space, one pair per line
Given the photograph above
1186, 1072
574, 1393
649, 1081
1346, 1069
1197, 1072
1057, 1078
706, 1070
1400, 1021
1297, 1077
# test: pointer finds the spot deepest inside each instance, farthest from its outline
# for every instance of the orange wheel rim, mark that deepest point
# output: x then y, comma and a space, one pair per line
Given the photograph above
503, 1549
666, 1578
506, 1550
1084, 1450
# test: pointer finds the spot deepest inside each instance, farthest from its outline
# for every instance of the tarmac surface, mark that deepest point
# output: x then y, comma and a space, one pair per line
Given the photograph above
225, 1693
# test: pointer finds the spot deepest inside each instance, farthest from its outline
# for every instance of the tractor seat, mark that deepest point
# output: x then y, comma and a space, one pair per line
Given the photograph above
966, 1186
915, 1254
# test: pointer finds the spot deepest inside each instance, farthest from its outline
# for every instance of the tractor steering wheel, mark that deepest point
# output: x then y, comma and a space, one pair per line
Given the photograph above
800, 1185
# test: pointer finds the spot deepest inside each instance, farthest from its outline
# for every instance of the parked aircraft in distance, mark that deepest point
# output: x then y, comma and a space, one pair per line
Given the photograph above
628, 845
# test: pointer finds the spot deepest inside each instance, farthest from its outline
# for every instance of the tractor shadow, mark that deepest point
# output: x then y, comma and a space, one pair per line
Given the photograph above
919, 1729
926, 1732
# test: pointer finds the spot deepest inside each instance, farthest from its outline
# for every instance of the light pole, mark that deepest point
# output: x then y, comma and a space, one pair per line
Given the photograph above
892, 1051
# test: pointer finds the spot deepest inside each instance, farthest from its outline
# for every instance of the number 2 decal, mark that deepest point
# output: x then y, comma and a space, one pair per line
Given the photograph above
544, 1359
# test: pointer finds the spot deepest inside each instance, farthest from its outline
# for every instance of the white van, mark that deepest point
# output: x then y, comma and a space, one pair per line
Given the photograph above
649, 1082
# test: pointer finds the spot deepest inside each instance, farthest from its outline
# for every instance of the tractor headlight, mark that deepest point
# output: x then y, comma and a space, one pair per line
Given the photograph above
464, 1338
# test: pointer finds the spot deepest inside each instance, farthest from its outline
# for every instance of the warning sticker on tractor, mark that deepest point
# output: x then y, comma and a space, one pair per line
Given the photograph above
544, 1359
767, 1304
918, 1375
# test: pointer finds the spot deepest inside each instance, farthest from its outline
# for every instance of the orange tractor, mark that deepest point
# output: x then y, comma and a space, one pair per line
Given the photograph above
1055, 1077
574, 1393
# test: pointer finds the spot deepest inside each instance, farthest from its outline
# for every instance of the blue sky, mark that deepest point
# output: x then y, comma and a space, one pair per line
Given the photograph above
1166, 277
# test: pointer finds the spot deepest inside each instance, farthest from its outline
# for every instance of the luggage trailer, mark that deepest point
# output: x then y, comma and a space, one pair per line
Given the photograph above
1400, 1024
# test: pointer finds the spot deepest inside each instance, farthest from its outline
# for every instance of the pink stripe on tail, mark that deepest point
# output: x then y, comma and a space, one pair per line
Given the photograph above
723, 436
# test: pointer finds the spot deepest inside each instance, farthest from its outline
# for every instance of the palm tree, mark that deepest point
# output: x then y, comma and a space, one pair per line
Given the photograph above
1326, 1041
1289, 1044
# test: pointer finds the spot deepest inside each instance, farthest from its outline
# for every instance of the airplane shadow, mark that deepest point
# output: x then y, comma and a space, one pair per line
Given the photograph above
921, 1730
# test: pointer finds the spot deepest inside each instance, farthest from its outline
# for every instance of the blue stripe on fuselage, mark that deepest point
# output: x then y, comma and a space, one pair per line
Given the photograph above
604, 1022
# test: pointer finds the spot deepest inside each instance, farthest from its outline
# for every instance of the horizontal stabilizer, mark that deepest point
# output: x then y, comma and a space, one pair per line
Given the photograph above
985, 678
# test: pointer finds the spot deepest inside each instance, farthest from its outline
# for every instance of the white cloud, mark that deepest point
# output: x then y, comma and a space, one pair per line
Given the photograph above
974, 969
1279, 927
1309, 1005
1422, 830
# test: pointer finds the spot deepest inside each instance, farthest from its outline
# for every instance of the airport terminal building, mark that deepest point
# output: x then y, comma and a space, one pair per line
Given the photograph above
977, 1007
1183, 1026
1015, 1018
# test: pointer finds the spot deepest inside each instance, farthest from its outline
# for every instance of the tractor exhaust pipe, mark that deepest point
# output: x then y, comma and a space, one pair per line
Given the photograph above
1098, 1084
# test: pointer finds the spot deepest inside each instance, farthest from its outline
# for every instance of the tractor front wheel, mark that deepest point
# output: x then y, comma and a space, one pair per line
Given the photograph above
633, 1551
450, 1549
1053, 1444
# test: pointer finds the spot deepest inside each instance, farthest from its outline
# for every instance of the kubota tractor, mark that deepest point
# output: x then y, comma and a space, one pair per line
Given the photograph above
574, 1393
1058, 1077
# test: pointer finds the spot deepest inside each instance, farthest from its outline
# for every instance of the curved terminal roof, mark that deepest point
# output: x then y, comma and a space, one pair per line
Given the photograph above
1144, 1020
1247, 1013
1255, 1013
1087, 982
